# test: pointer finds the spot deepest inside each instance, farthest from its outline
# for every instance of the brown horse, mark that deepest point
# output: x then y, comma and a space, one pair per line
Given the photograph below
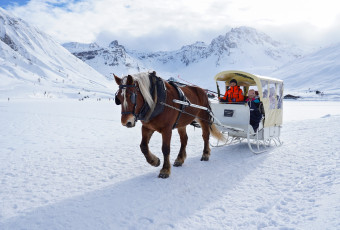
149, 98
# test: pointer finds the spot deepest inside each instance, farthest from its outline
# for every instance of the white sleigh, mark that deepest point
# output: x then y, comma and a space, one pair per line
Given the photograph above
233, 119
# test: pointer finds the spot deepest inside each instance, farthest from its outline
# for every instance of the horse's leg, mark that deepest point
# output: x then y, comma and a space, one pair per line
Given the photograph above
182, 153
166, 170
205, 134
144, 147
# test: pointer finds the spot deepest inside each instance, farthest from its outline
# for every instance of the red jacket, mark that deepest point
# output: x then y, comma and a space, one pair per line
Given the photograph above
234, 94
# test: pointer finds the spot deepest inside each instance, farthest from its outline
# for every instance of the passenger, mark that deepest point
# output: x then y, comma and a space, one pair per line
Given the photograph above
272, 99
233, 94
255, 114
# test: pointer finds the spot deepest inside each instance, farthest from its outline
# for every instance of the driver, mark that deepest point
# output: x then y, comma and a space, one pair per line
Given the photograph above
233, 94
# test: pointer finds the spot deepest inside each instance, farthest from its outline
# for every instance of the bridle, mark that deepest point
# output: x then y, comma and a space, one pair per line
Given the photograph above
146, 112
133, 99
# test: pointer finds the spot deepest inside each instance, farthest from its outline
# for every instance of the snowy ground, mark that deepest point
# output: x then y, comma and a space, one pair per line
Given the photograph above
66, 164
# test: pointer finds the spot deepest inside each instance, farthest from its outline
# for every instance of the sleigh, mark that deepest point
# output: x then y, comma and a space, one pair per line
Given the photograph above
232, 119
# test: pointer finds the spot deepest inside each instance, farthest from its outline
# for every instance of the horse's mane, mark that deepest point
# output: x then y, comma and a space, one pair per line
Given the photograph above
144, 86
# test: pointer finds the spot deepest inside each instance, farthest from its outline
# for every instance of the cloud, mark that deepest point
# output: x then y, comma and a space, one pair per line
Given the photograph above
305, 34
159, 24
332, 34
166, 39
169, 24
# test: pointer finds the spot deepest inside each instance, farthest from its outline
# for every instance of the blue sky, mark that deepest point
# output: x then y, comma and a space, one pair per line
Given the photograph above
169, 24
5, 3
57, 3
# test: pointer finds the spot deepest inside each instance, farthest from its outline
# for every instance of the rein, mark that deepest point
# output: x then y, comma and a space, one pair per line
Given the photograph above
182, 111
142, 113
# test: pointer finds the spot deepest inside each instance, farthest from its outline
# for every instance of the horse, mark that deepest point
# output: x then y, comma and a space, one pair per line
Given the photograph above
149, 98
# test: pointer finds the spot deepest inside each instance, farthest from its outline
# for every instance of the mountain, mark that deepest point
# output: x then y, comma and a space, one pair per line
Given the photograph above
242, 48
33, 64
106, 60
317, 71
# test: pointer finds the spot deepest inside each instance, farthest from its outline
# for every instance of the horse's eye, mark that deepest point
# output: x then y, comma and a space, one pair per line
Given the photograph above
117, 100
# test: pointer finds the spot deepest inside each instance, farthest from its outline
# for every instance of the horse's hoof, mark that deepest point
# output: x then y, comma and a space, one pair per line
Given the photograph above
163, 175
204, 158
155, 163
177, 164
158, 163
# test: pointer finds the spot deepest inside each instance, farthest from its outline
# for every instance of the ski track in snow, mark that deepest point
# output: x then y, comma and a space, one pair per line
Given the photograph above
71, 165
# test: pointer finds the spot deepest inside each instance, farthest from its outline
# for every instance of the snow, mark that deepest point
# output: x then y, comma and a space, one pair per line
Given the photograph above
316, 71
69, 164
32, 63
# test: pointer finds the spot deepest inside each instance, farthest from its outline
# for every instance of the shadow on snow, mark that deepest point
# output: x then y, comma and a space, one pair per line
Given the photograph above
147, 202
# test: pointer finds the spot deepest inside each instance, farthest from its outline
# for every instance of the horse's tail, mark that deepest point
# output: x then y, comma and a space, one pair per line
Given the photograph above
205, 102
217, 133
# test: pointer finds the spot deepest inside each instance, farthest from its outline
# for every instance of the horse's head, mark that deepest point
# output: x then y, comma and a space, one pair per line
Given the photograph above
130, 99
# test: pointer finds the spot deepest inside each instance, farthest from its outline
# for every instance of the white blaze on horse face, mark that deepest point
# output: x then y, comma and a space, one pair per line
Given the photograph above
125, 104
127, 120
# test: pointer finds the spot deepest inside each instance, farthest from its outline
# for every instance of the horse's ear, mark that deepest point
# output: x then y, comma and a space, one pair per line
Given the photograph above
129, 80
118, 80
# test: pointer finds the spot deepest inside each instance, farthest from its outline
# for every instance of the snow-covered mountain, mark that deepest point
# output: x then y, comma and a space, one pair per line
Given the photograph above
241, 48
33, 64
106, 60
317, 71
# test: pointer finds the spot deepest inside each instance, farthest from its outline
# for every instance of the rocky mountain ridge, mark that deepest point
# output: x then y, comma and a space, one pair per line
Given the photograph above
241, 48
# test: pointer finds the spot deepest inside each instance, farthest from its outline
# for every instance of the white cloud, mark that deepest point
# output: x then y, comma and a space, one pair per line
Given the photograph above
169, 24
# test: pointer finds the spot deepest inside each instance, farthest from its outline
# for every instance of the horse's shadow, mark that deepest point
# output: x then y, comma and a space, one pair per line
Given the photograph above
147, 202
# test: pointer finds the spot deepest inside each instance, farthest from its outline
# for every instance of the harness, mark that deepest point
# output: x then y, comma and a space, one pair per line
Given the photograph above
133, 99
158, 93
182, 97
158, 90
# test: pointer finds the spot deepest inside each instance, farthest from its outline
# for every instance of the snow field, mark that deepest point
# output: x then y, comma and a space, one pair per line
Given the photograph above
67, 164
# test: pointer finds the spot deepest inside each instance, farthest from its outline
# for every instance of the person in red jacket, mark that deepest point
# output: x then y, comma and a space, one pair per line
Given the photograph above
233, 94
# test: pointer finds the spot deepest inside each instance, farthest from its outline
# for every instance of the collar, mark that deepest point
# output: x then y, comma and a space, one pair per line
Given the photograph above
158, 92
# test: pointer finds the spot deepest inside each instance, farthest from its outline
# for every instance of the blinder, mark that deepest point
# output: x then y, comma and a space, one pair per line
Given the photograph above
117, 100
133, 96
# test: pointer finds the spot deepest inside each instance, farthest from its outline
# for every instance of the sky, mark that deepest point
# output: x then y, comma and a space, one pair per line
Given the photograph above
155, 25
